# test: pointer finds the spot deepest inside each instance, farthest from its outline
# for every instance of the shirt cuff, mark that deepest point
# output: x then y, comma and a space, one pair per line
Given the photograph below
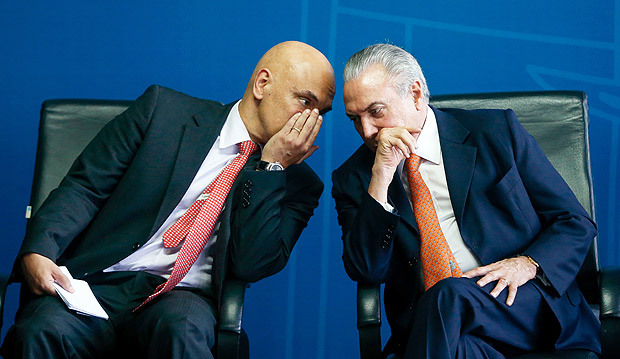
388, 207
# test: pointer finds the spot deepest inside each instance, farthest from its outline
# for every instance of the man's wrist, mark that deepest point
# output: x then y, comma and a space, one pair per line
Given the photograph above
532, 261
269, 166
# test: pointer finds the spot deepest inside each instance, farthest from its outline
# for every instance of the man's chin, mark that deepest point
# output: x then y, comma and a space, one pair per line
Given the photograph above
371, 146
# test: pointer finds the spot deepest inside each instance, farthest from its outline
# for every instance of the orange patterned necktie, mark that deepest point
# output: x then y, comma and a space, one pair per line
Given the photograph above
197, 223
438, 262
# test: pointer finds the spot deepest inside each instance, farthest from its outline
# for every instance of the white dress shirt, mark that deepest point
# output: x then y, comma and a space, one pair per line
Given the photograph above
434, 176
153, 257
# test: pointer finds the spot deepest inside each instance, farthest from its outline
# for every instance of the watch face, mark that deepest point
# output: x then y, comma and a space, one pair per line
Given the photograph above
276, 166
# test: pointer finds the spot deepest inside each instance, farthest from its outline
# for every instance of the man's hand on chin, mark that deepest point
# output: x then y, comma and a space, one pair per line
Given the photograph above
393, 145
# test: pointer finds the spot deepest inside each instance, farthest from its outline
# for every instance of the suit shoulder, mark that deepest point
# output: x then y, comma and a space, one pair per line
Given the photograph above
169, 97
361, 158
303, 172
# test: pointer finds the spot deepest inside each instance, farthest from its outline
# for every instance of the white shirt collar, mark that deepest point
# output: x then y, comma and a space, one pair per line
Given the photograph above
428, 140
234, 131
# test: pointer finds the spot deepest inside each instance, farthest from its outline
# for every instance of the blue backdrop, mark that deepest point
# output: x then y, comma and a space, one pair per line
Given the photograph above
114, 50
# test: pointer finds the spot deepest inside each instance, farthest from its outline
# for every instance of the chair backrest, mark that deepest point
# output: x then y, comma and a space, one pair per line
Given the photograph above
558, 120
66, 127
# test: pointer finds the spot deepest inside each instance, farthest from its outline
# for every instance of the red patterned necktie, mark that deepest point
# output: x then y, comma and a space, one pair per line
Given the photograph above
438, 262
197, 224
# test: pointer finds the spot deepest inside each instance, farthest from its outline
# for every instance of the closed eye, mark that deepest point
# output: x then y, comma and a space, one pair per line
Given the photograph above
376, 111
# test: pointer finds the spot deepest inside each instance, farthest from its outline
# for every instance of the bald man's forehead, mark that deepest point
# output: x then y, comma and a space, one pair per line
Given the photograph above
315, 78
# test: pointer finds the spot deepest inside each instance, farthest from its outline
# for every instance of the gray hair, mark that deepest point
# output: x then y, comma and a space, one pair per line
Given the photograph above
400, 65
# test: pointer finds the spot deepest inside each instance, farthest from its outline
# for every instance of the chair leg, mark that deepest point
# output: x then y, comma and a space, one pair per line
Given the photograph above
370, 342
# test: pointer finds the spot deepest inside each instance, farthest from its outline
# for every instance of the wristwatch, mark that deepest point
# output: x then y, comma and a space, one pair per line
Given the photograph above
269, 166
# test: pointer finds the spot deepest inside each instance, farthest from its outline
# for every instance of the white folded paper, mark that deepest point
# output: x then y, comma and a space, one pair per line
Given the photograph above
82, 300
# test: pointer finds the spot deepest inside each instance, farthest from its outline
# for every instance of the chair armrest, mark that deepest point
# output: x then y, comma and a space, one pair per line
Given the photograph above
610, 312
368, 305
369, 320
4, 282
229, 332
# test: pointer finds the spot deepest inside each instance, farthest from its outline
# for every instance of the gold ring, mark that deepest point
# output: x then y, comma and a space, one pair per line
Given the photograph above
296, 129
504, 280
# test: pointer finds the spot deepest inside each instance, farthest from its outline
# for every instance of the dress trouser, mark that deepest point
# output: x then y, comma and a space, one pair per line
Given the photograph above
179, 324
458, 319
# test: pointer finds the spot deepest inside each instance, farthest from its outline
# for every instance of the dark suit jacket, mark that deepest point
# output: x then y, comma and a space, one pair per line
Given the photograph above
507, 198
131, 176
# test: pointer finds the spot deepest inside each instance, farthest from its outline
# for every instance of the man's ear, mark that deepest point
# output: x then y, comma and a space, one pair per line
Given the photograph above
416, 93
262, 79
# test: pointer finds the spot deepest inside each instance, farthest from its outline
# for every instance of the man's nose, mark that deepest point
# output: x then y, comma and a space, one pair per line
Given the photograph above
368, 130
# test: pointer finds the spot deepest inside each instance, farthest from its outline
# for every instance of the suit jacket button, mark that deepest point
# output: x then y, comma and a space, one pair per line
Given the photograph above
136, 246
412, 262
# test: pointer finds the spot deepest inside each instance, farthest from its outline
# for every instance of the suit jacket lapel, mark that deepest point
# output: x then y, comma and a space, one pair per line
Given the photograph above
459, 160
220, 260
398, 198
198, 138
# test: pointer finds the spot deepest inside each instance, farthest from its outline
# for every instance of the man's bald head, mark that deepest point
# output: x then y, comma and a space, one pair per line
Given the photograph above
289, 78
290, 57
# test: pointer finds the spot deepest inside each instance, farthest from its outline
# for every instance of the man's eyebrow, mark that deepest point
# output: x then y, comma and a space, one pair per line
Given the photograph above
373, 104
308, 93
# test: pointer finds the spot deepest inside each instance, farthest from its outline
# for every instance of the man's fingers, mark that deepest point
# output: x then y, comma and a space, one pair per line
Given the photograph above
288, 126
309, 121
512, 294
499, 287
476, 272
62, 280
489, 277
410, 142
300, 122
413, 130
398, 143
316, 128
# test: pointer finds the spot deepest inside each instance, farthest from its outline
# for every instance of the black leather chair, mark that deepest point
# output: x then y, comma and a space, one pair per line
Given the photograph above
66, 127
559, 122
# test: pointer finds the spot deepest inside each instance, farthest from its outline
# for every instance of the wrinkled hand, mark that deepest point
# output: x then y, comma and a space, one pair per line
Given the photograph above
393, 145
511, 273
294, 142
41, 272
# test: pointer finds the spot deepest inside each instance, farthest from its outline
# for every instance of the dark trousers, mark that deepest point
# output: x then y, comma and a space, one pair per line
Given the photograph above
179, 324
458, 319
